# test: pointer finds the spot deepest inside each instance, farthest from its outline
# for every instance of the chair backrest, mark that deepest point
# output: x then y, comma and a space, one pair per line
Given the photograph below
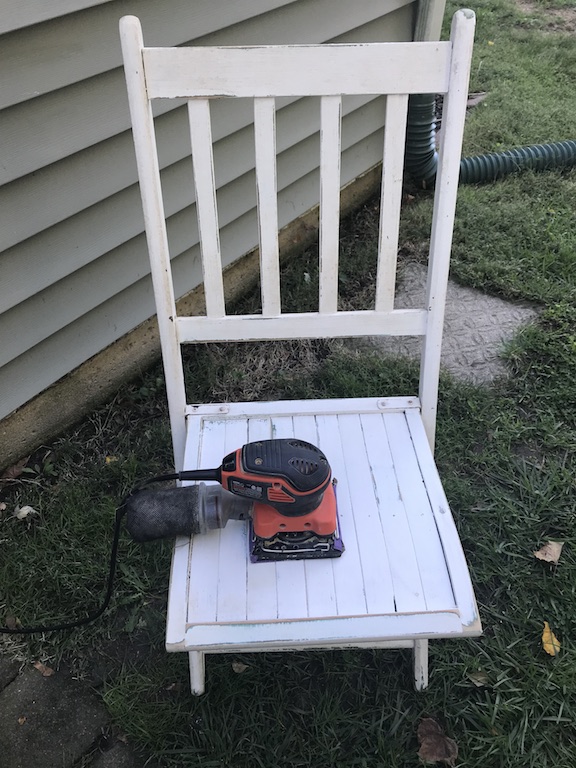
265, 73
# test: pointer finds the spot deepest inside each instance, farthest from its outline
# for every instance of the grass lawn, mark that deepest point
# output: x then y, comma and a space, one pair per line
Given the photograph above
506, 454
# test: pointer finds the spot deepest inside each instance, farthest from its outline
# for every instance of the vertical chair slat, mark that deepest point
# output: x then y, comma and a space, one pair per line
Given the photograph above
265, 145
391, 198
205, 186
330, 150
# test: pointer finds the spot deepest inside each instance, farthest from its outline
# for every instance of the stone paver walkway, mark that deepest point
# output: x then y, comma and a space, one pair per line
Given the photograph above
475, 329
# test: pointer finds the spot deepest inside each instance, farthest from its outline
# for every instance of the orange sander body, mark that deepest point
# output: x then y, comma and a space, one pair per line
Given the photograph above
289, 486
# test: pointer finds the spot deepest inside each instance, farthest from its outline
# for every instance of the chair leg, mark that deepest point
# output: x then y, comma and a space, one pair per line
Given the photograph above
197, 672
421, 664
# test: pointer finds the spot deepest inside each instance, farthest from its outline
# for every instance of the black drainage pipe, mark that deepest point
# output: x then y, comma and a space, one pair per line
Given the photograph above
422, 158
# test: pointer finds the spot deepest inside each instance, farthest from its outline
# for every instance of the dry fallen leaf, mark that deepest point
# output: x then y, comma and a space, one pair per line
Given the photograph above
550, 552
13, 472
550, 642
22, 719
21, 513
479, 678
43, 669
435, 746
12, 622
238, 667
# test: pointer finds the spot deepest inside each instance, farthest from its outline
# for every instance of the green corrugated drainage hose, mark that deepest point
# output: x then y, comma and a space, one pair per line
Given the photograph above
422, 158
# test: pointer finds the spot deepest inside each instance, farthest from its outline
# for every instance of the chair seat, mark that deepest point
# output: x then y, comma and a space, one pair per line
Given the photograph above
402, 575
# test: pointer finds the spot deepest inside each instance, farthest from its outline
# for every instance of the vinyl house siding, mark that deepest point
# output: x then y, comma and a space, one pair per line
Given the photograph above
74, 274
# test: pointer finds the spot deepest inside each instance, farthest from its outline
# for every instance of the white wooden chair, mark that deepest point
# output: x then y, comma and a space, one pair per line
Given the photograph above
402, 579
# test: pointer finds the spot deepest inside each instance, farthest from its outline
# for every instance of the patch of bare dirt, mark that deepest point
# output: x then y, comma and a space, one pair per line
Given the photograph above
553, 19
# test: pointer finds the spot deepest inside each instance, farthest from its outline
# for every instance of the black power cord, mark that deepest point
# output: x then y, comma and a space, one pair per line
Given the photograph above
120, 512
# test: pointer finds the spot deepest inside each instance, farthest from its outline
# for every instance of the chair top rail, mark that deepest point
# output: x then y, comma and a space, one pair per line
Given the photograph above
297, 70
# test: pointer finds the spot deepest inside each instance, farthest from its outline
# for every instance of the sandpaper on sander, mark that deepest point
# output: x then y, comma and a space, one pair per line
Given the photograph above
282, 487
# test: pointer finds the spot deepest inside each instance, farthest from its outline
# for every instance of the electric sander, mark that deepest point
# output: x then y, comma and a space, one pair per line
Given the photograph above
283, 488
